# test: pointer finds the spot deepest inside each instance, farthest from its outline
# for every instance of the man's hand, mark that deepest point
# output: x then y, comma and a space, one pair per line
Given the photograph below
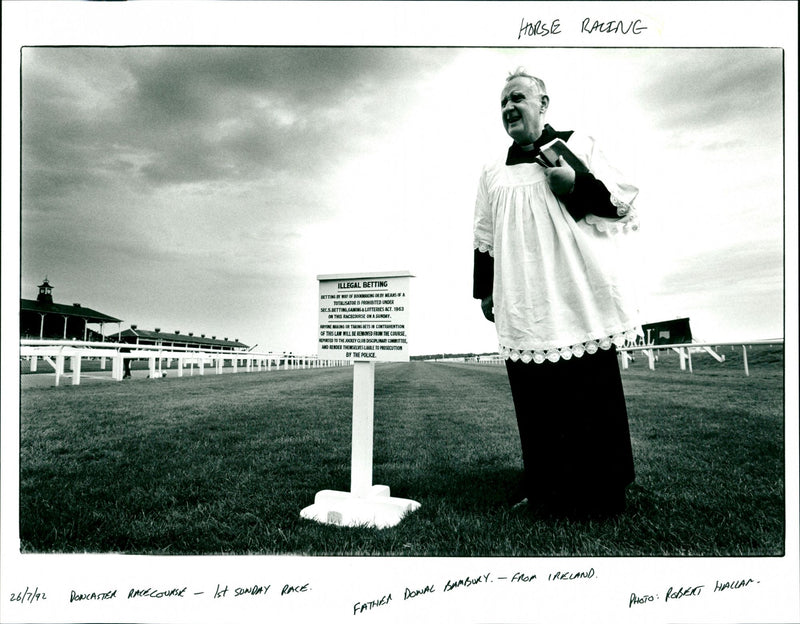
560, 178
487, 305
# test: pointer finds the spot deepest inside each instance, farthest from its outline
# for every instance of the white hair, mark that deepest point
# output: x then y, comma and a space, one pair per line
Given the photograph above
520, 72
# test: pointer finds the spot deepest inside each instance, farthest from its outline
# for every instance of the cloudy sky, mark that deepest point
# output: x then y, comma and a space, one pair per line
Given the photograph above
204, 189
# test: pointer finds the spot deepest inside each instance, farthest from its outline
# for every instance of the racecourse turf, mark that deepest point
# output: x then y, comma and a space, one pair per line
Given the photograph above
224, 464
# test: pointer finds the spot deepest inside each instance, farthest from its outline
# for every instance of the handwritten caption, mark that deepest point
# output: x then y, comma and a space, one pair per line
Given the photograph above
82, 595
452, 585
461, 583
689, 591
588, 26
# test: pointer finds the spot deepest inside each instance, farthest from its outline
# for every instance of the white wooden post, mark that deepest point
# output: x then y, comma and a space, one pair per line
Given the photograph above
180, 367
744, 355
363, 419
152, 365
682, 353
34, 361
75, 364
689, 355
201, 364
650, 359
103, 363
59, 367
365, 504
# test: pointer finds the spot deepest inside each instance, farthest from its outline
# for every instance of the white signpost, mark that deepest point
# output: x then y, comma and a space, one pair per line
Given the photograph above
363, 319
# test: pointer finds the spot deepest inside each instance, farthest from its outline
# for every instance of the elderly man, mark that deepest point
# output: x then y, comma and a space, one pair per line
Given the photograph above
550, 271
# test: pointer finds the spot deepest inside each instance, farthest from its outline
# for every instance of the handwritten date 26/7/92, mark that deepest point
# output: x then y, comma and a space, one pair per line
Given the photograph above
28, 596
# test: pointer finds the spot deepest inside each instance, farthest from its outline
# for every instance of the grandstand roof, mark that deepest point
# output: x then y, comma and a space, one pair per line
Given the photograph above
76, 310
146, 335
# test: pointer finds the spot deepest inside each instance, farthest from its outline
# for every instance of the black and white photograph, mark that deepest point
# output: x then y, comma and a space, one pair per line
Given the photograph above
389, 322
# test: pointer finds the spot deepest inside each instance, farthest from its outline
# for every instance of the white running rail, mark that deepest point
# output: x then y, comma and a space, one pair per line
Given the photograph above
57, 353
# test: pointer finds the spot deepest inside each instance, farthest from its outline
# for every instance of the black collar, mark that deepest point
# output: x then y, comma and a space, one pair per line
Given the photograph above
517, 155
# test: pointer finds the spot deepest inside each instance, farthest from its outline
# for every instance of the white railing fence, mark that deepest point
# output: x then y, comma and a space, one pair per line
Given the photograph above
684, 351
58, 353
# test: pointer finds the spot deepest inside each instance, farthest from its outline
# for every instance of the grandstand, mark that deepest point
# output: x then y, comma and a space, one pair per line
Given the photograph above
137, 336
44, 319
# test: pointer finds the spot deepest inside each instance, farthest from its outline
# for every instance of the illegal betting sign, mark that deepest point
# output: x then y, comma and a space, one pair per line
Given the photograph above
364, 316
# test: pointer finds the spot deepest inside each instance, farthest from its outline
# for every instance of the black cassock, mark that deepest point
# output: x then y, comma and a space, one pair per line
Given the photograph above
573, 427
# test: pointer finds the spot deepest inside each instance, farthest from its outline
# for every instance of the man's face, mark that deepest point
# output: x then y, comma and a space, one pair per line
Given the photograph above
523, 110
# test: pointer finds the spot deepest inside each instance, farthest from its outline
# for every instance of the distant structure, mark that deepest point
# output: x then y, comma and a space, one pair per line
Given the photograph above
134, 335
676, 331
41, 318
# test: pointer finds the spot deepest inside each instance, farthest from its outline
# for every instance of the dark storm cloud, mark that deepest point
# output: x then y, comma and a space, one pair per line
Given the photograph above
189, 115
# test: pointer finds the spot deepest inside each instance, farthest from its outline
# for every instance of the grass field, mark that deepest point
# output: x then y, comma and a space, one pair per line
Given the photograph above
224, 464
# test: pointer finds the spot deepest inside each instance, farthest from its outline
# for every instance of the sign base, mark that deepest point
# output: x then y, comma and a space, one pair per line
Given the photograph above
375, 509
